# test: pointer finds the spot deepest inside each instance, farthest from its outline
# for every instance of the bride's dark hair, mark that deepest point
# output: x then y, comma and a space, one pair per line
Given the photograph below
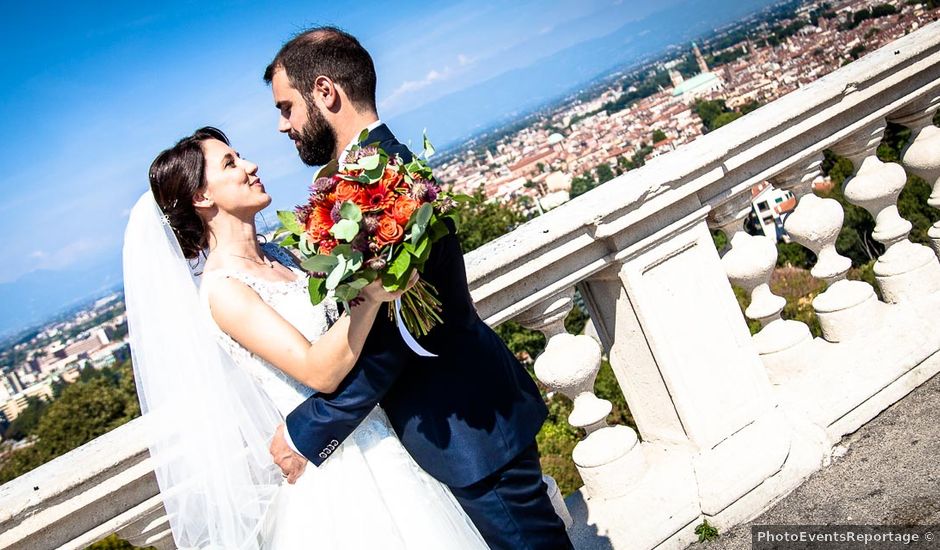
176, 175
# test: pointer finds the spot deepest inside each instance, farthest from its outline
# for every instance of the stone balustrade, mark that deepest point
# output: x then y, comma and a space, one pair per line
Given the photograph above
726, 423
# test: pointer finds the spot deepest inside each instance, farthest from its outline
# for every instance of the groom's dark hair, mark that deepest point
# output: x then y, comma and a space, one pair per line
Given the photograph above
330, 52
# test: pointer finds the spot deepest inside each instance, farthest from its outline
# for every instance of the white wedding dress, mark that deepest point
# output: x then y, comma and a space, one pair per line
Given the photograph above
370, 494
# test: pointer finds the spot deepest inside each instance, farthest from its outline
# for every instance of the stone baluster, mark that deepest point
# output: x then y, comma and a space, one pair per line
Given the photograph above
609, 458
906, 270
846, 307
922, 155
749, 264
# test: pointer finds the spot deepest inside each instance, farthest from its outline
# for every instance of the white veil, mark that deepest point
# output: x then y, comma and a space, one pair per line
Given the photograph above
210, 424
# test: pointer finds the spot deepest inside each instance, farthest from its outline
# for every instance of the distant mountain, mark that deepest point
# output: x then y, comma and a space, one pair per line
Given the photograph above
39, 295
461, 114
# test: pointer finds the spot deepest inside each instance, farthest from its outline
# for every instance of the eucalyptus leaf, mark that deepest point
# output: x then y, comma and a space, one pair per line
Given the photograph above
363, 135
423, 215
317, 290
336, 275
320, 263
345, 230
359, 283
346, 293
349, 211
305, 247
370, 162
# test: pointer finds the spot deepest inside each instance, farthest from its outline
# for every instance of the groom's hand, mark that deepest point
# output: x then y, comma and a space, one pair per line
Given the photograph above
291, 463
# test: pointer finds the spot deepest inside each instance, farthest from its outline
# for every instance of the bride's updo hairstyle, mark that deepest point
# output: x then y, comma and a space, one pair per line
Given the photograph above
176, 175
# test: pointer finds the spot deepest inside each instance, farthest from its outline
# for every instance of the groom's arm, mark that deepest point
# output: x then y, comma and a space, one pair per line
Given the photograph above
319, 424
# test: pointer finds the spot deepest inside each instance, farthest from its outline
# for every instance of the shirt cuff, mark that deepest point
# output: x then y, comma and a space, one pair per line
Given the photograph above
290, 442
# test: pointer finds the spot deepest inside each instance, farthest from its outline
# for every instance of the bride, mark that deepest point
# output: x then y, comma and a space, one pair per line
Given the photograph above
223, 353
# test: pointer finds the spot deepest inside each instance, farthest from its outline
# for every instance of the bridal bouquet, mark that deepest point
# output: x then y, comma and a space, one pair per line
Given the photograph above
376, 216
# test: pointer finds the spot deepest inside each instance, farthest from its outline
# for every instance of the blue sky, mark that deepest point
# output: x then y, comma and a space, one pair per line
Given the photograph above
91, 92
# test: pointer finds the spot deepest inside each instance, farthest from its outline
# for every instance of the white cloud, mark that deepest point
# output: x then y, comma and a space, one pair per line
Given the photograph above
465, 60
409, 86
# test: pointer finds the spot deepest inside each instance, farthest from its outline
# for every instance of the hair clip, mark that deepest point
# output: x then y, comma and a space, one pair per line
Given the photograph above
165, 220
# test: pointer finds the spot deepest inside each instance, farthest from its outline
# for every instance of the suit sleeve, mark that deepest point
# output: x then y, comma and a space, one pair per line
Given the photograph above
319, 424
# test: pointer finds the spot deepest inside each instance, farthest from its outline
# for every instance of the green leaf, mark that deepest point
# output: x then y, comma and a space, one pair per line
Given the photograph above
400, 264
289, 241
363, 135
320, 263
349, 211
437, 230
290, 222
460, 197
345, 230
428, 148
317, 290
420, 250
327, 170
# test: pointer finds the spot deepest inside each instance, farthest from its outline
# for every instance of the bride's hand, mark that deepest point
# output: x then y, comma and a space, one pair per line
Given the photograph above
376, 293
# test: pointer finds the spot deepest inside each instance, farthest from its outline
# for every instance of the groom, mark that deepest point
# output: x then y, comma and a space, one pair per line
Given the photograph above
469, 413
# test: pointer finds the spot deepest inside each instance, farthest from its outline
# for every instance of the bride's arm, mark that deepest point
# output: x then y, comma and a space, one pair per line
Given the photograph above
321, 365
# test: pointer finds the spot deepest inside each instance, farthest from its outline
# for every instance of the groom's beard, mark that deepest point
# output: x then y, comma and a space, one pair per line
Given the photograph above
316, 143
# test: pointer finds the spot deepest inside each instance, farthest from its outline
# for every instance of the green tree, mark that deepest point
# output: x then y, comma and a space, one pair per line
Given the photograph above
480, 220
27, 421
658, 135
86, 409
582, 184
604, 173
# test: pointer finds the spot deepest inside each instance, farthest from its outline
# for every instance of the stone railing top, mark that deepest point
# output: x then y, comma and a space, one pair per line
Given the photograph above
708, 170
83, 467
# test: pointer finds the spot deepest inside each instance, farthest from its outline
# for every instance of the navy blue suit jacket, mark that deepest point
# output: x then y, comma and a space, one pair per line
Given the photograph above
463, 414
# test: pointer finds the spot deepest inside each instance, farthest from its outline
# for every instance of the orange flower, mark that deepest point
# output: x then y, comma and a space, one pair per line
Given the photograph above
348, 191
378, 197
389, 232
403, 208
319, 223
392, 179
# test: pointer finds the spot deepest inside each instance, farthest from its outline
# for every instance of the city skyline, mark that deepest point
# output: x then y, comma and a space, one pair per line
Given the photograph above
92, 97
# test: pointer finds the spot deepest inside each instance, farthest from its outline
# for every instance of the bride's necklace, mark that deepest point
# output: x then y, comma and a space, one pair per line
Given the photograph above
264, 260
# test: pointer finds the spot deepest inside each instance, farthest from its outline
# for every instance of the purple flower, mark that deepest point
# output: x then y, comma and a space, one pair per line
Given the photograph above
418, 190
377, 263
334, 213
322, 186
361, 243
370, 223
432, 192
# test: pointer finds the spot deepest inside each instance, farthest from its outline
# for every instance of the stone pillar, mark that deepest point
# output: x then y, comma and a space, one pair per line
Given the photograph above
685, 358
846, 308
749, 264
922, 155
609, 458
906, 270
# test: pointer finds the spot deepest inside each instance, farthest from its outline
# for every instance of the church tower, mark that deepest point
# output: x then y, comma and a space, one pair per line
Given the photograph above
702, 66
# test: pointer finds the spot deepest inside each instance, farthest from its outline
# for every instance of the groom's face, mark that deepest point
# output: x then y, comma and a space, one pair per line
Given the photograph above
303, 122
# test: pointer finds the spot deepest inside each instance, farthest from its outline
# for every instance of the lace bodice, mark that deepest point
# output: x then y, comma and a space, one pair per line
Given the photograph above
291, 300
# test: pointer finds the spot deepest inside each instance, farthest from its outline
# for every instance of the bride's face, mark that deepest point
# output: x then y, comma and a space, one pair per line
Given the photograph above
232, 183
